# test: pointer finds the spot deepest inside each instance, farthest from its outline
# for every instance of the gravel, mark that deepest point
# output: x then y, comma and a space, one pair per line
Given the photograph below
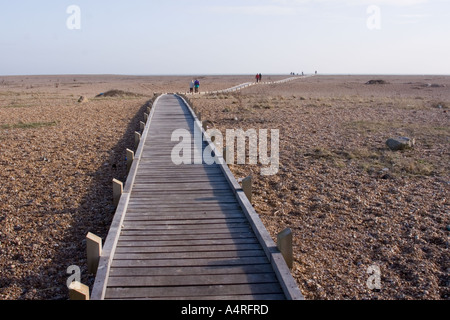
351, 203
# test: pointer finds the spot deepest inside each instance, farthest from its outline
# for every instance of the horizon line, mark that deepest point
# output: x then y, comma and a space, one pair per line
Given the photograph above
220, 74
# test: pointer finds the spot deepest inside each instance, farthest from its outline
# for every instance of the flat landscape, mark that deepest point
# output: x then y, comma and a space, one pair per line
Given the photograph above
351, 202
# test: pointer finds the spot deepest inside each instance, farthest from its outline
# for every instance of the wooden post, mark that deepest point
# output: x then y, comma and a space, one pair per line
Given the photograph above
284, 244
142, 125
117, 191
149, 109
247, 187
225, 154
146, 117
94, 251
137, 139
78, 291
199, 116
205, 125
130, 159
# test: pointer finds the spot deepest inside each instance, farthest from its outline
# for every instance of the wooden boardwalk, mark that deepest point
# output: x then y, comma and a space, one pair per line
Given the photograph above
186, 231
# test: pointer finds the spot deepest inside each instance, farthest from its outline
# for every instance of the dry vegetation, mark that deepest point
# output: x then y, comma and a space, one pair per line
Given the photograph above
350, 201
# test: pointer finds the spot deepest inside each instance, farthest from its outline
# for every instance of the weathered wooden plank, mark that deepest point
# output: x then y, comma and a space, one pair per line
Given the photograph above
187, 218
183, 193
197, 248
151, 203
139, 198
186, 243
195, 187
189, 255
144, 198
153, 163
192, 217
185, 228
212, 262
170, 219
191, 270
126, 231
193, 180
142, 207
173, 177
240, 235
192, 291
168, 236
199, 199
141, 201
179, 221
257, 297
191, 280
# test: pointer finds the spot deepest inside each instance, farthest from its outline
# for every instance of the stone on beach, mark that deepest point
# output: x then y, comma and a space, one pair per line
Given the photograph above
402, 143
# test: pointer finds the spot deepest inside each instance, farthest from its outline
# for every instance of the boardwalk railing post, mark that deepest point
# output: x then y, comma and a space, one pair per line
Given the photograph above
247, 187
284, 244
94, 251
78, 291
225, 154
117, 191
199, 116
130, 159
137, 139
146, 117
142, 125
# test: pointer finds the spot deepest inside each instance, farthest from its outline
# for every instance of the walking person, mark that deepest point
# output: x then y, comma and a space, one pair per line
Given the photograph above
191, 86
260, 77
196, 85
257, 78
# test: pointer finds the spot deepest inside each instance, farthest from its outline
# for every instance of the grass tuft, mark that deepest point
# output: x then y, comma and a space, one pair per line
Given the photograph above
31, 125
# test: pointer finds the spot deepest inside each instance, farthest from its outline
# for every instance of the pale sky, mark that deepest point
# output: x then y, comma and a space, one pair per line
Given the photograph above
177, 37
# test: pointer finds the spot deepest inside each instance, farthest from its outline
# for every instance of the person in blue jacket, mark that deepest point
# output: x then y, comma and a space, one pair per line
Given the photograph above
196, 85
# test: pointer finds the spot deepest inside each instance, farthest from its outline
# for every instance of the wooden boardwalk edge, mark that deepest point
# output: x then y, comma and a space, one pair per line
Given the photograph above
279, 265
109, 247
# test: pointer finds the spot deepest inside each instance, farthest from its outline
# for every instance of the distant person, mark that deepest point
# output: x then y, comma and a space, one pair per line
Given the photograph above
316, 72
196, 85
257, 78
191, 86
260, 77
